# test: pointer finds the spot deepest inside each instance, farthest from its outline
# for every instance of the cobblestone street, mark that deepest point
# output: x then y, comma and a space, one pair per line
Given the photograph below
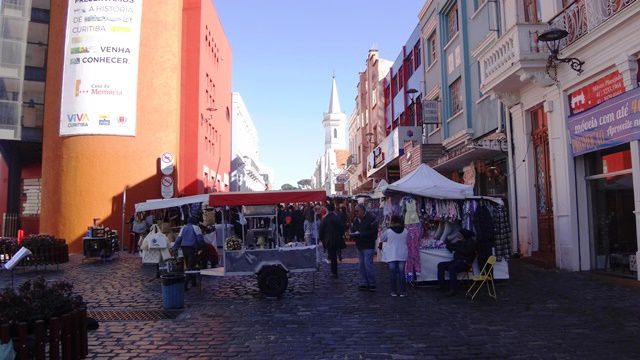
539, 314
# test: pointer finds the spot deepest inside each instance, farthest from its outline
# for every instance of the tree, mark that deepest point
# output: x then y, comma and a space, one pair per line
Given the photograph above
304, 184
287, 187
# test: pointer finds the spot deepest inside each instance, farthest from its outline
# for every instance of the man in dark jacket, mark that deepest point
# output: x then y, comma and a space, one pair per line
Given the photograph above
464, 252
331, 234
365, 231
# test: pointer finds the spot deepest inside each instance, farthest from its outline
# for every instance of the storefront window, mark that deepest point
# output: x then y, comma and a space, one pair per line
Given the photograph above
492, 179
612, 204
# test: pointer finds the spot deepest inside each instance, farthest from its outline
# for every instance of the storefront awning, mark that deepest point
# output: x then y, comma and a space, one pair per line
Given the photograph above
485, 148
444, 165
156, 204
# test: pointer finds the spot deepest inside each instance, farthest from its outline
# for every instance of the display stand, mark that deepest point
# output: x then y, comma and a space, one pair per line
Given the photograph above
429, 259
103, 247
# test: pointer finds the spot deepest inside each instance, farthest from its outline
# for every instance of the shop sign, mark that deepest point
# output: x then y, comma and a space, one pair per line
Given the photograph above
406, 133
454, 153
166, 187
430, 112
596, 92
339, 187
166, 163
499, 144
100, 71
342, 178
378, 157
614, 122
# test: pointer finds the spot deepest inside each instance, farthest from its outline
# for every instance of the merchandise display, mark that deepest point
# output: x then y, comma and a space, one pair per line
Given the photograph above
435, 209
233, 244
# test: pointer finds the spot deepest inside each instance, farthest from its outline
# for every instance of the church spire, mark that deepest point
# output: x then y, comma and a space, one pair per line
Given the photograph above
334, 103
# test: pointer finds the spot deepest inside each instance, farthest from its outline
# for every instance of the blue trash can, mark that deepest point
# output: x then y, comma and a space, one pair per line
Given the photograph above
172, 291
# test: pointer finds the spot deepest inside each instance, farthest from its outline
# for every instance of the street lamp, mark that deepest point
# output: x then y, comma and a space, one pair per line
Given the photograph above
552, 38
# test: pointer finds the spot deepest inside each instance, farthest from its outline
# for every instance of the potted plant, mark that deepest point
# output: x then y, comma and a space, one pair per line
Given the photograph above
8, 247
46, 249
39, 312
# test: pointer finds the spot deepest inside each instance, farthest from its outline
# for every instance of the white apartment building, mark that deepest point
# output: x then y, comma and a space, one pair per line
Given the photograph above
246, 172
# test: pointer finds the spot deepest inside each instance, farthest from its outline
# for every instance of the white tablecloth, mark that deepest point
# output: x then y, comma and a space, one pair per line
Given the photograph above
429, 259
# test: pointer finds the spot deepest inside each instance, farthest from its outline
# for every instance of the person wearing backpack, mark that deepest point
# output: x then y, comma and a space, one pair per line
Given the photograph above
190, 240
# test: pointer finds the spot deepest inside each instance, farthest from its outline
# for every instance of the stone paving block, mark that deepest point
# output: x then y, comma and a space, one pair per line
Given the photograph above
577, 316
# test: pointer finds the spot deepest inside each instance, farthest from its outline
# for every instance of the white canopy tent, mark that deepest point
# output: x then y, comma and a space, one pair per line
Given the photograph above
155, 204
378, 192
424, 181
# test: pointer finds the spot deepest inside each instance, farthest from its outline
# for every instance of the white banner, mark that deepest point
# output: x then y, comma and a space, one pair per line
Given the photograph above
100, 78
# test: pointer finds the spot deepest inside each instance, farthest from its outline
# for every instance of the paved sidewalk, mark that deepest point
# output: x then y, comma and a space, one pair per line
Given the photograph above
540, 314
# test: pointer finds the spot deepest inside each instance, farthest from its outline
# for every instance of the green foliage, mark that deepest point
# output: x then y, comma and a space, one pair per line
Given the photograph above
37, 300
287, 187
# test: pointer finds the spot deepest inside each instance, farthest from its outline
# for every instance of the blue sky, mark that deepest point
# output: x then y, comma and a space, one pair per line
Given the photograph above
284, 54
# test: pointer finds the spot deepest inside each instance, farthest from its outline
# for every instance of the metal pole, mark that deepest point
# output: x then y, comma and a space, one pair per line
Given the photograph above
124, 203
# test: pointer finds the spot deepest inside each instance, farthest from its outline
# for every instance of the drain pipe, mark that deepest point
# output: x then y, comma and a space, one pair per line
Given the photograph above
512, 182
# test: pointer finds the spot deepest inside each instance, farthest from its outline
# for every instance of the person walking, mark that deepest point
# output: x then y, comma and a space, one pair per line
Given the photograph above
190, 240
331, 234
364, 230
394, 253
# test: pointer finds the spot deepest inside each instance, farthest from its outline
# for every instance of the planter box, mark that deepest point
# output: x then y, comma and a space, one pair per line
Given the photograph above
63, 338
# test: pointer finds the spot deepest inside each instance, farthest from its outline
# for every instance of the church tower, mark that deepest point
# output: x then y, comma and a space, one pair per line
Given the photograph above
334, 123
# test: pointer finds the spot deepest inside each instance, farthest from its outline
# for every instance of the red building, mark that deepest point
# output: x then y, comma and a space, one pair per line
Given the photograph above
183, 106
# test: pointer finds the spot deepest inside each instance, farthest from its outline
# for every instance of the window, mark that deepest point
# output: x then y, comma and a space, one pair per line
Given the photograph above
456, 96
480, 93
335, 133
374, 97
432, 54
408, 65
417, 110
452, 21
532, 13
417, 55
400, 78
394, 86
387, 101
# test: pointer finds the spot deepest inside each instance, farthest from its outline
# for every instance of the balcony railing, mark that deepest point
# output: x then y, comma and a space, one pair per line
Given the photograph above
520, 43
584, 16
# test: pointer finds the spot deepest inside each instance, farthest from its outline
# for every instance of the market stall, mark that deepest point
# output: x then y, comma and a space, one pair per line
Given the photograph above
434, 209
261, 250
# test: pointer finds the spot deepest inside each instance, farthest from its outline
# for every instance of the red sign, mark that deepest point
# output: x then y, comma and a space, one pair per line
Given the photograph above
597, 92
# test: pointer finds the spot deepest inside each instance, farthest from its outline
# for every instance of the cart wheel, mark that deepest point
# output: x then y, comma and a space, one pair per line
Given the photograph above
272, 281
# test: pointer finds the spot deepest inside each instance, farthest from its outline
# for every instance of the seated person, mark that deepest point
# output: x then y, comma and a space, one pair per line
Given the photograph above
464, 252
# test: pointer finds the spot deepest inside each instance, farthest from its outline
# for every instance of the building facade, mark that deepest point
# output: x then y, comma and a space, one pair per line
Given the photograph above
366, 123
183, 108
575, 160
246, 172
23, 46
402, 92
469, 122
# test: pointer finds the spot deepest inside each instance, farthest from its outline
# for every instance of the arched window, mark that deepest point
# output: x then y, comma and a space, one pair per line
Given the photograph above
335, 133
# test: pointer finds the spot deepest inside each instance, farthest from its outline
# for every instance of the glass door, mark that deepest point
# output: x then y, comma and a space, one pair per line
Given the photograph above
611, 201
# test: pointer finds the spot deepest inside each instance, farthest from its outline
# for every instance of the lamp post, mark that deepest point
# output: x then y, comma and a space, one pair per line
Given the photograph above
552, 38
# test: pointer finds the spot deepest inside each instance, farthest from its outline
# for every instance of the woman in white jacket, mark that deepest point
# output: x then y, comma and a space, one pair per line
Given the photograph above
394, 252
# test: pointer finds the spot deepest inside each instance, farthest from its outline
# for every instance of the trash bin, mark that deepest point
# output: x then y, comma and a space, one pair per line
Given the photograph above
172, 291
